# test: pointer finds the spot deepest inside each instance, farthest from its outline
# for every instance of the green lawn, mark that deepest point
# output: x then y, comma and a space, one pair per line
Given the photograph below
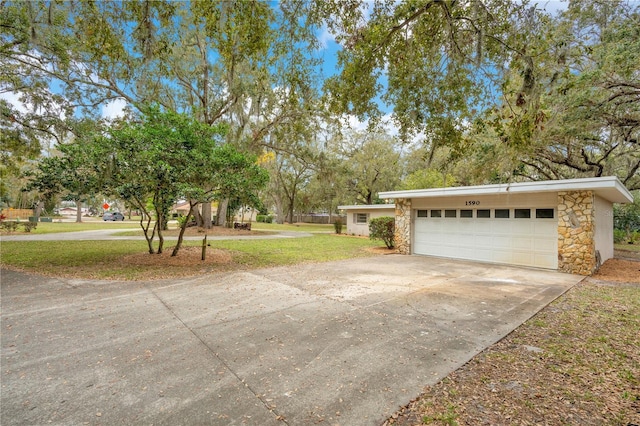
305, 227
112, 259
52, 227
629, 247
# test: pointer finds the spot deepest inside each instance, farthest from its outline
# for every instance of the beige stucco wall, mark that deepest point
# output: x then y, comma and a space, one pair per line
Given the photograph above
604, 228
539, 200
362, 229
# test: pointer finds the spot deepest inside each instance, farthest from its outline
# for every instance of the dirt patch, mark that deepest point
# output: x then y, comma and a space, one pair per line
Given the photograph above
575, 362
382, 250
187, 256
627, 254
618, 270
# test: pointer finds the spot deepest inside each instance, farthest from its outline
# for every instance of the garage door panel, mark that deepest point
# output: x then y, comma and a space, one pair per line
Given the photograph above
522, 241
541, 244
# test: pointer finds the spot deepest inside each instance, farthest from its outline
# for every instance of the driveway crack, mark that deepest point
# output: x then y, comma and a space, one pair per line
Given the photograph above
272, 410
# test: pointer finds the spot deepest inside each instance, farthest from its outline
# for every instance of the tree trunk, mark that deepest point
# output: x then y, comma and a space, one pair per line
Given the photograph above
206, 215
38, 209
159, 227
78, 211
291, 206
196, 215
221, 218
182, 229
145, 229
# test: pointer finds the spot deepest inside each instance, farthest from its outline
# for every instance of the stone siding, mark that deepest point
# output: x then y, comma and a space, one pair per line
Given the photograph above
402, 235
576, 232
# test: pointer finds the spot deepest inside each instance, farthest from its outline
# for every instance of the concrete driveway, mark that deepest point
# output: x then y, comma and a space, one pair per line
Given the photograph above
339, 343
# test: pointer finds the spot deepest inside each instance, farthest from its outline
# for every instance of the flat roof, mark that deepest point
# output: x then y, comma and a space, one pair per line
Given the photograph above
368, 207
610, 188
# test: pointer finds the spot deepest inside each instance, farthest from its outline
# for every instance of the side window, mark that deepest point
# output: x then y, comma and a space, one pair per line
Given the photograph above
361, 217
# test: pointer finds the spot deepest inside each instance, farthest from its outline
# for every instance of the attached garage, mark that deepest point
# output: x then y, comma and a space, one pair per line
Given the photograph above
566, 225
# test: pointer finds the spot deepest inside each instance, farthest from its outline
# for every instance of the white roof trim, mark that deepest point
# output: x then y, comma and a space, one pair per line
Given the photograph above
369, 207
609, 188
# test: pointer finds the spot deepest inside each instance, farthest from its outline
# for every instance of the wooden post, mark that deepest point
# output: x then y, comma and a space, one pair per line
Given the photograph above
204, 248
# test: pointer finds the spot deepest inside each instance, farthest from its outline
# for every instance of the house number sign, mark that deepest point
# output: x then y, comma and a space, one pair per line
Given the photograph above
472, 203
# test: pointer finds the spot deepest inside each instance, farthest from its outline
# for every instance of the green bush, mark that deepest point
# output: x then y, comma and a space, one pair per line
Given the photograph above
619, 236
28, 226
9, 226
183, 219
383, 228
337, 225
264, 218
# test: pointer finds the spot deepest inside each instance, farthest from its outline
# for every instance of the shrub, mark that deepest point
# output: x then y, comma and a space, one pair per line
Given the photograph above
28, 226
183, 219
619, 236
264, 218
10, 226
337, 225
383, 228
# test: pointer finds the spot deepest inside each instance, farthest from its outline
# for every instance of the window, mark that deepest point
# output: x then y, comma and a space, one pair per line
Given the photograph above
483, 213
501, 214
450, 213
466, 213
544, 213
436, 213
360, 217
522, 213
422, 213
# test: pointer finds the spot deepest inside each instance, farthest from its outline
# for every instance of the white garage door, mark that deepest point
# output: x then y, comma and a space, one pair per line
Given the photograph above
520, 236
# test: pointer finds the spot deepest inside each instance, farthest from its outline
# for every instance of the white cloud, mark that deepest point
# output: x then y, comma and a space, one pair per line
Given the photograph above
325, 37
13, 99
114, 109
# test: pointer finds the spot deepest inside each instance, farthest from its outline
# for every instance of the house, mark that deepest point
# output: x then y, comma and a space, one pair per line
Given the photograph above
358, 217
560, 224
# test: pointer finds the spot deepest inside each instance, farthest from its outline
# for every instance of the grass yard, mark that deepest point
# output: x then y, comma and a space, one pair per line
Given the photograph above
129, 260
53, 227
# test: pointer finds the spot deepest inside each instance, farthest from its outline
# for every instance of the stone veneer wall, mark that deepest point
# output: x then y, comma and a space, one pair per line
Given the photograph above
402, 235
576, 232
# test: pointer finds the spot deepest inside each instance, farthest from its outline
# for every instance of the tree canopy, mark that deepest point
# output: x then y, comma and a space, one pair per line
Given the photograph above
477, 91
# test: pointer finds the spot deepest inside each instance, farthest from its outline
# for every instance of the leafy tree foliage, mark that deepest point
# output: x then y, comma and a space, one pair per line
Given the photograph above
168, 156
372, 164
427, 178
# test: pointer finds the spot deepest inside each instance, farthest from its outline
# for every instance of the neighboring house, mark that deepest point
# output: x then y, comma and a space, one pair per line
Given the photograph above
358, 217
182, 208
67, 211
561, 224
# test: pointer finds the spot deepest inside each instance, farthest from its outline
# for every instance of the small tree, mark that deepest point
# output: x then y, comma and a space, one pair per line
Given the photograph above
382, 228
